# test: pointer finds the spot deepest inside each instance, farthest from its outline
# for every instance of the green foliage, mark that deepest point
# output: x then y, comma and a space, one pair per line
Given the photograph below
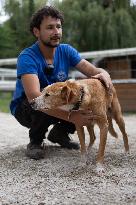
19, 21
124, 29
15, 33
89, 24
7, 42
119, 4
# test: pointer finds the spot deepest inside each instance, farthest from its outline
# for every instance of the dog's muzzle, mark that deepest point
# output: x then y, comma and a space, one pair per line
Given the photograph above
33, 105
38, 105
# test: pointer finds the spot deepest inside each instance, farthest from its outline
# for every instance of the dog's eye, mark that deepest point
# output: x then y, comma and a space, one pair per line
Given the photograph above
47, 95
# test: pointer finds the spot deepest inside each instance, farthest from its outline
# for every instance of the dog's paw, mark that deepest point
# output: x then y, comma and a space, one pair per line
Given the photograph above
83, 160
89, 149
100, 169
127, 154
89, 159
116, 141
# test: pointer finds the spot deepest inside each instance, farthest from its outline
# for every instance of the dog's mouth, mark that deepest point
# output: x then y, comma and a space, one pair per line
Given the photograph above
36, 106
39, 107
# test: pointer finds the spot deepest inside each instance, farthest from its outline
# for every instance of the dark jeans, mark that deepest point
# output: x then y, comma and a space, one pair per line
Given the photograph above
38, 122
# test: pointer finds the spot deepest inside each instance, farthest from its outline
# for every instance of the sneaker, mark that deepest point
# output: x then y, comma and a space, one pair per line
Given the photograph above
35, 151
60, 136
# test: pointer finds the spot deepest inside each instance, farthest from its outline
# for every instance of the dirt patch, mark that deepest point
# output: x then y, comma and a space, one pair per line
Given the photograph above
59, 178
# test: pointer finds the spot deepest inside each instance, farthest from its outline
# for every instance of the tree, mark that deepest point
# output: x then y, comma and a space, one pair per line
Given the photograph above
89, 25
19, 17
107, 3
119, 4
98, 25
18, 36
7, 42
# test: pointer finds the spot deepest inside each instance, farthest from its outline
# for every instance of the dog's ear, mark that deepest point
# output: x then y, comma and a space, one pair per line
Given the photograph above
66, 94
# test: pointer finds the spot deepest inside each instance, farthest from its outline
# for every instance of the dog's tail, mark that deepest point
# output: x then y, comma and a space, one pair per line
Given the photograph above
110, 113
111, 128
115, 113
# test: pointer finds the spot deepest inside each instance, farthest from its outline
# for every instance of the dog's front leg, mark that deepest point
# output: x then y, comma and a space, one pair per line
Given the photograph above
103, 138
81, 136
90, 129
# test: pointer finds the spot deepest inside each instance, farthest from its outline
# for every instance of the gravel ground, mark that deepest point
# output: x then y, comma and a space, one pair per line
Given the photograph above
59, 178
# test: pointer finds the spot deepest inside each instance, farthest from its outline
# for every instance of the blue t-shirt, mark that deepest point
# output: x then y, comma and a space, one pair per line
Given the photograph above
31, 61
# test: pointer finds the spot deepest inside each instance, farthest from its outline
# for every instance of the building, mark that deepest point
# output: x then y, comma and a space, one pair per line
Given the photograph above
121, 64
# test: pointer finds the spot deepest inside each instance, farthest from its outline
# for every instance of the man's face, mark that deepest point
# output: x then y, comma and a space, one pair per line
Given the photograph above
50, 31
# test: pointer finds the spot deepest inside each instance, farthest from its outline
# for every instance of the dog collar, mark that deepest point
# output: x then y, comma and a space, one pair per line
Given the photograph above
77, 105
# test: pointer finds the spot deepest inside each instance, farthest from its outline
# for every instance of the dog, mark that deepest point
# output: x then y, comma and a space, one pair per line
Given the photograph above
86, 94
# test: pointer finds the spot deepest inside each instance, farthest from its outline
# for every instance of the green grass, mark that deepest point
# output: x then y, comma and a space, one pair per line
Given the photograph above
5, 99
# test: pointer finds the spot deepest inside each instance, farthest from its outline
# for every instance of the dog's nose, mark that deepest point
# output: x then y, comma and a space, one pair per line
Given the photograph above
32, 104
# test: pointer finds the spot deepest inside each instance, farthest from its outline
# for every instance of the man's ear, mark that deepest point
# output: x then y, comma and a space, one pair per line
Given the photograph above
66, 94
36, 32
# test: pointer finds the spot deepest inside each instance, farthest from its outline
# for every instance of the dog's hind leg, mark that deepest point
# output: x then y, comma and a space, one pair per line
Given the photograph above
81, 136
90, 129
120, 122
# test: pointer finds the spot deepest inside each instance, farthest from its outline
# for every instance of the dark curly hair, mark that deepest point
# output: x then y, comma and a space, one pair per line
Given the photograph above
38, 16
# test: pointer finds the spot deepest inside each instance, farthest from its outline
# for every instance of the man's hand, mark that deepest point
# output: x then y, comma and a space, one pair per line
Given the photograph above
105, 78
91, 71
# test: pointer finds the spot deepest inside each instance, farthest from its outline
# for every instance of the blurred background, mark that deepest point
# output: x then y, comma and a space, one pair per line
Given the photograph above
103, 31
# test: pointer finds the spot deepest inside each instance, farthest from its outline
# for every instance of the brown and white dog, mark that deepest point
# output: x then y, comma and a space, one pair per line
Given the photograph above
86, 94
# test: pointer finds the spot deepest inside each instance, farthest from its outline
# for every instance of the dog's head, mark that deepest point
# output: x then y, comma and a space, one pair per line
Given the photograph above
57, 95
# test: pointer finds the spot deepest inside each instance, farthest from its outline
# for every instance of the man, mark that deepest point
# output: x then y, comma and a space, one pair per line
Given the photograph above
45, 62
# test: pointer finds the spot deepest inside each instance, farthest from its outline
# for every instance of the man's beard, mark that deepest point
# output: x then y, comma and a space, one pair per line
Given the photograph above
49, 43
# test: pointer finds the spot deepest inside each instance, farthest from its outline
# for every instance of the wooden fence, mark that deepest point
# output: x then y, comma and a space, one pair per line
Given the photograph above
126, 91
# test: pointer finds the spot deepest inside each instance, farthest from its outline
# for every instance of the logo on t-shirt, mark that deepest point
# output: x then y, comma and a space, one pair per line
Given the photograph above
61, 76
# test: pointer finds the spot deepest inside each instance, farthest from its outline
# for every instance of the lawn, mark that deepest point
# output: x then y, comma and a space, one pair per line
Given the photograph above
5, 99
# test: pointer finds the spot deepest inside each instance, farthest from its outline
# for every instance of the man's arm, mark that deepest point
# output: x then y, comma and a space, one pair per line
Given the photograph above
80, 117
90, 70
31, 86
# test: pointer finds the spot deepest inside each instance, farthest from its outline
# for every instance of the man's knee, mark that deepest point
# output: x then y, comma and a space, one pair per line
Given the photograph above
68, 126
